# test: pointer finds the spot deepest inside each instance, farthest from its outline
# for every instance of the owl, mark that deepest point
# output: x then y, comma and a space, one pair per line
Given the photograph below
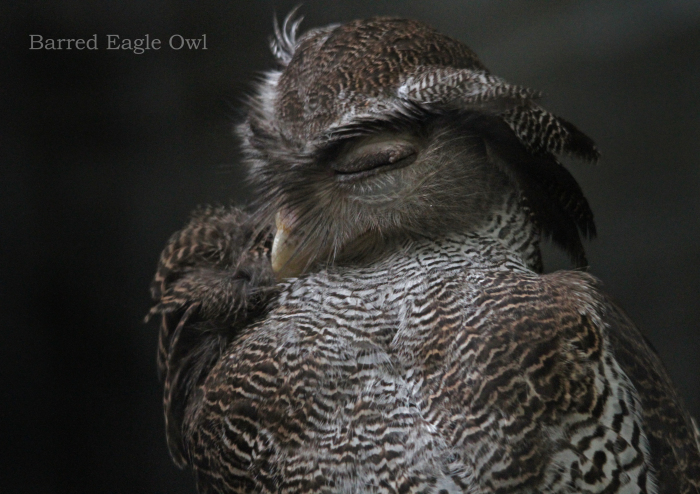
377, 319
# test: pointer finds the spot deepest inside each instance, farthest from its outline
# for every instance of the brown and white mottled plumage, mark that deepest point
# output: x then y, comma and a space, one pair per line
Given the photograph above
379, 321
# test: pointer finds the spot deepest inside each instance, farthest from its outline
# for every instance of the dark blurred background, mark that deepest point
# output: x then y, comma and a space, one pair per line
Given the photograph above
104, 153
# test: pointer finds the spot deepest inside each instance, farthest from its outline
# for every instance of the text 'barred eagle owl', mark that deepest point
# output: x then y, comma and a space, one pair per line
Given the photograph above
378, 322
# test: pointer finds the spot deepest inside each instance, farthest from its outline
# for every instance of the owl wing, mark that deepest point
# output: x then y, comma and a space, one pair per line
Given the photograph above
672, 434
214, 277
565, 393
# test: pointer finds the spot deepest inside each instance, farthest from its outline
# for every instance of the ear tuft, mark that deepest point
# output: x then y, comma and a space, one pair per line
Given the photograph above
549, 191
542, 132
284, 42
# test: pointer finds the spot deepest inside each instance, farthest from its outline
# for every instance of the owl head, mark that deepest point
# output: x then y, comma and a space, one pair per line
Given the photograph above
378, 131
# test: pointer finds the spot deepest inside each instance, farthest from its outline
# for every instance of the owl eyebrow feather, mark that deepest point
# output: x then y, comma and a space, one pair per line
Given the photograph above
411, 119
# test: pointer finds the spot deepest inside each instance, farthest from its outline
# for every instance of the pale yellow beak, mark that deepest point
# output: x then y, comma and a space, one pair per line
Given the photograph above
286, 261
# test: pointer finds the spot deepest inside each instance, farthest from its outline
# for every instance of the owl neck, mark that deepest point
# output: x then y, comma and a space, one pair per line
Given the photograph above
511, 225
506, 238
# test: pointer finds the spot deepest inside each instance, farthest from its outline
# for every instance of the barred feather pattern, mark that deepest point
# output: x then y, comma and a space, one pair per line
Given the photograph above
460, 87
213, 278
448, 366
542, 132
413, 376
202, 263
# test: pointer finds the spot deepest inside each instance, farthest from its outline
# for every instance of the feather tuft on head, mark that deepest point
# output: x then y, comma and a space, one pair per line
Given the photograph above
284, 41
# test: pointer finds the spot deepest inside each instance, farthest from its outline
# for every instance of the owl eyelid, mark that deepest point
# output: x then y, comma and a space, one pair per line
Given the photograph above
374, 155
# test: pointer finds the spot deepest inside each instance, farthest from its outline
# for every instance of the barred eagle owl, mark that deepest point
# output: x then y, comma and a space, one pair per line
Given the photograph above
378, 321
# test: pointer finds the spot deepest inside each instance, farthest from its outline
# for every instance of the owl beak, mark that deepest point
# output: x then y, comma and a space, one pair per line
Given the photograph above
286, 261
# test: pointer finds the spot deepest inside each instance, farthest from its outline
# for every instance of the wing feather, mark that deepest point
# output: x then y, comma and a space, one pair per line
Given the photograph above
214, 277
